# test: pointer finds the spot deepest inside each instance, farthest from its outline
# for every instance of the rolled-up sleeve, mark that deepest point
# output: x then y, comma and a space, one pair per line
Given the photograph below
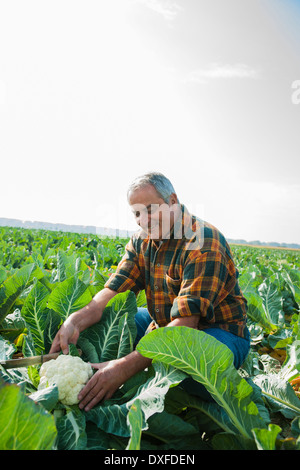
128, 275
207, 280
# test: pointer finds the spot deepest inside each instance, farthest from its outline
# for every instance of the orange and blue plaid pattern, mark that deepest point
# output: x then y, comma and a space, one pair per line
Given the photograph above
180, 281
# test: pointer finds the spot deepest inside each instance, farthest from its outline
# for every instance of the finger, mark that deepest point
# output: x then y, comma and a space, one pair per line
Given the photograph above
55, 347
92, 383
91, 398
95, 401
64, 344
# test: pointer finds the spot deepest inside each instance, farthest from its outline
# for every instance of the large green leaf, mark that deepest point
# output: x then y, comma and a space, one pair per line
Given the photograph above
152, 393
69, 296
257, 313
71, 434
65, 266
70, 265
13, 287
265, 308
6, 349
135, 422
98, 281
229, 441
52, 324
48, 397
24, 425
266, 438
35, 314
209, 362
292, 278
210, 416
279, 394
249, 281
125, 337
112, 418
12, 325
174, 432
272, 304
113, 336
291, 365
179, 400
96, 438
3, 274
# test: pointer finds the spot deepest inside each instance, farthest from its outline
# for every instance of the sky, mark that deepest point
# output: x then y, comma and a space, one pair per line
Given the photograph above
94, 93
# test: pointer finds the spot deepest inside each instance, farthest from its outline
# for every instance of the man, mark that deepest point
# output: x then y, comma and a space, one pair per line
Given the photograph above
186, 268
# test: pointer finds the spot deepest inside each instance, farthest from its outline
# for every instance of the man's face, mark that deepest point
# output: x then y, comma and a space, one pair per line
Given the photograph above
151, 212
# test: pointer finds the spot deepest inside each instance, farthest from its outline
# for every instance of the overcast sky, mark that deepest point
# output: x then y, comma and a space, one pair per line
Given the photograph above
94, 93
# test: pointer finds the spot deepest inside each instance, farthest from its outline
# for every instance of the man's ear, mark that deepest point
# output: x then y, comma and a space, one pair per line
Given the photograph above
173, 199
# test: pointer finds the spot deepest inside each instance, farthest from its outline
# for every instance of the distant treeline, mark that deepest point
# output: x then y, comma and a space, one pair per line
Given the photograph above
112, 232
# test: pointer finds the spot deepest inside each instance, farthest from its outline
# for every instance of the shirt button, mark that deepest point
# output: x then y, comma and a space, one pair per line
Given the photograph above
158, 265
155, 287
157, 310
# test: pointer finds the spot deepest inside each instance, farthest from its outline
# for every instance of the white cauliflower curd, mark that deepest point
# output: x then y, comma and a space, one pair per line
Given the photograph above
69, 373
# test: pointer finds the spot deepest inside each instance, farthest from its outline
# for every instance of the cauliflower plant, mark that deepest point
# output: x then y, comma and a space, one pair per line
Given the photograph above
69, 373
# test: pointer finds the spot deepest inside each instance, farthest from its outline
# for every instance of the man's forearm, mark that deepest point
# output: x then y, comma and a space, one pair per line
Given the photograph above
92, 313
191, 321
133, 363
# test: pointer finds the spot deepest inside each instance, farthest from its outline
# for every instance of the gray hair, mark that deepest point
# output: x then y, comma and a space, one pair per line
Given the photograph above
162, 185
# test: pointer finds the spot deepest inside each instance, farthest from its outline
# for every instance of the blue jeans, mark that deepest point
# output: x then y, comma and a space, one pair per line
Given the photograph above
239, 346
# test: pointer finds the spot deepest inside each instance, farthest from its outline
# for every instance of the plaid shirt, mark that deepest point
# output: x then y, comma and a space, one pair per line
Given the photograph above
181, 280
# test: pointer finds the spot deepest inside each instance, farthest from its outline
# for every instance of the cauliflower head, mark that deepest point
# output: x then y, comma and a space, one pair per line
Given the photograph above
69, 373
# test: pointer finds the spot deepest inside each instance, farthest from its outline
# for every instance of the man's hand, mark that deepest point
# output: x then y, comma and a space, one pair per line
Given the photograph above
102, 385
109, 377
77, 322
68, 333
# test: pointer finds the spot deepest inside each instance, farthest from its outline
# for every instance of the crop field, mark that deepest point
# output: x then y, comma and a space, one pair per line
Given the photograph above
45, 276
